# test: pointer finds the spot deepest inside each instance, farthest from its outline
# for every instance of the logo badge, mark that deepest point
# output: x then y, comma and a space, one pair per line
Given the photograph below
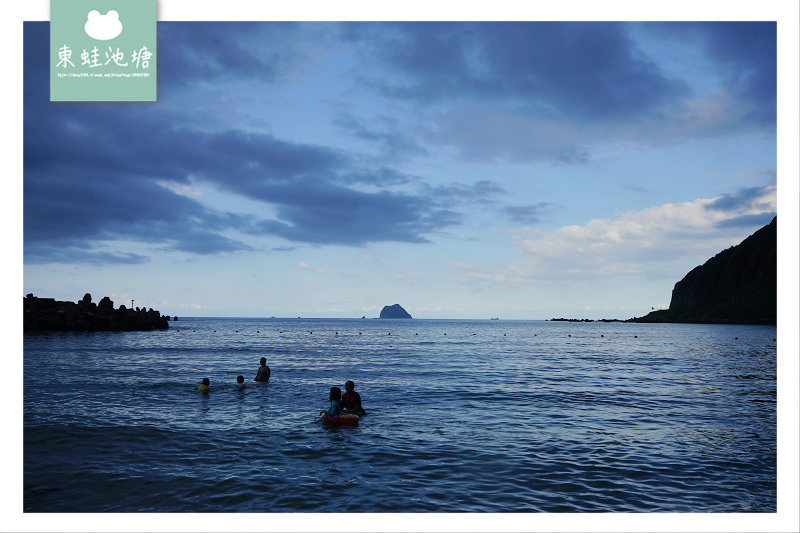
103, 51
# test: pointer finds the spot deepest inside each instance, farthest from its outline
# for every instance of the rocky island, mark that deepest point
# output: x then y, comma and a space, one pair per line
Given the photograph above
394, 311
737, 286
48, 314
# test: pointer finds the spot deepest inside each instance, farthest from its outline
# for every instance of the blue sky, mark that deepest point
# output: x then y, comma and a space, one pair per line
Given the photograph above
521, 170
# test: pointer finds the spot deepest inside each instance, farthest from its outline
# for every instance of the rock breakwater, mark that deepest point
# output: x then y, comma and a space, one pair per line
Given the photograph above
49, 314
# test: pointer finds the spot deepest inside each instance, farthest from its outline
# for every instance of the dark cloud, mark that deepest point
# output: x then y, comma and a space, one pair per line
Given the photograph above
387, 134
571, 155
380, 176
553, 91
743, 198
582, 71
527, 214
68, 207
749, 199
207, 52
744, 55
77, 252
479, 192
747, 221
103, 172
341, 216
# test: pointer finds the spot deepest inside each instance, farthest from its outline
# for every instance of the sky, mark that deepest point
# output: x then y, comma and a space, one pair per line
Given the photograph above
461, 169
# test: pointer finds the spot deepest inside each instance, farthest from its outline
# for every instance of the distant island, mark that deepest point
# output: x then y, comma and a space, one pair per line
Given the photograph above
737, 286
394, 311
49, 314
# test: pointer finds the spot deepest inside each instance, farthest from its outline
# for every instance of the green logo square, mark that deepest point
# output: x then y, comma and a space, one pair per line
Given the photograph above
103, 50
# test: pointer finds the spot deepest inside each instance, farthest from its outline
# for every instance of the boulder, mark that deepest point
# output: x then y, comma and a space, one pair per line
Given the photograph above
106, 306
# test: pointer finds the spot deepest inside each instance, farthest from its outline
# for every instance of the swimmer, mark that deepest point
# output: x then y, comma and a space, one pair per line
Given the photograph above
240, 381
204, 387
336, 407
263, 371
351, 400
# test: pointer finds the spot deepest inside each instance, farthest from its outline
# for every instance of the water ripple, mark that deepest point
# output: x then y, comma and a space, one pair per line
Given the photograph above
464, 416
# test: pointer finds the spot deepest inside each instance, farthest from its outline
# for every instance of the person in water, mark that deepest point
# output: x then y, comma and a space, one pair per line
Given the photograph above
204, 386
351, 400
336, 407
263, 371
240, 381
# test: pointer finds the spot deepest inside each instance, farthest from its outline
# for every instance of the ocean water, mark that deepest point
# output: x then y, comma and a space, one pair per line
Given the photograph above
462, 416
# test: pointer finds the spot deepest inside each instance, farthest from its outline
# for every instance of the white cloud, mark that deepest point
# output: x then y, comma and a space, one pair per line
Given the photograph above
305, 266
187, 191
635, 243
411, 277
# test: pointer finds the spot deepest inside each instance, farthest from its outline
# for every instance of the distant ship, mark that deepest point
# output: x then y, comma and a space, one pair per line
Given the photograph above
494, 319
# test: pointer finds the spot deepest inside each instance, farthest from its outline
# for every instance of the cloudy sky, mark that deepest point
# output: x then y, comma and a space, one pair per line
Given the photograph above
521, 170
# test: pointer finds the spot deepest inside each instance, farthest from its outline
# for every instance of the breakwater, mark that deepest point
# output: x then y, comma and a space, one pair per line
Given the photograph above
49, 314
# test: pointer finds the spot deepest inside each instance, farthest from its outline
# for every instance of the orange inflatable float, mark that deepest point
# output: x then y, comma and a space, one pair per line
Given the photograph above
341, 420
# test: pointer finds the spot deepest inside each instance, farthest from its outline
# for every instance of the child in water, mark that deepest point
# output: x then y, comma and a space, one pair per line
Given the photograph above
240, 381
336, 407
351, 400
204, 387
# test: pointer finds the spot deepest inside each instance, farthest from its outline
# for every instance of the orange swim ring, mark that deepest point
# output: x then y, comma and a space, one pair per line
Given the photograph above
341, 420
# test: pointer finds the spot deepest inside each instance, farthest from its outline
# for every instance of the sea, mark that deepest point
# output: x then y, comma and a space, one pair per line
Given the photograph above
462, 416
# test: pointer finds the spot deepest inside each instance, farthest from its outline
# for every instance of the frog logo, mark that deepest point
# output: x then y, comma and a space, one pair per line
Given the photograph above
103, 27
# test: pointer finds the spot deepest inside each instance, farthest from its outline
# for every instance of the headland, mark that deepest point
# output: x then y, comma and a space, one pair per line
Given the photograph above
737, 286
